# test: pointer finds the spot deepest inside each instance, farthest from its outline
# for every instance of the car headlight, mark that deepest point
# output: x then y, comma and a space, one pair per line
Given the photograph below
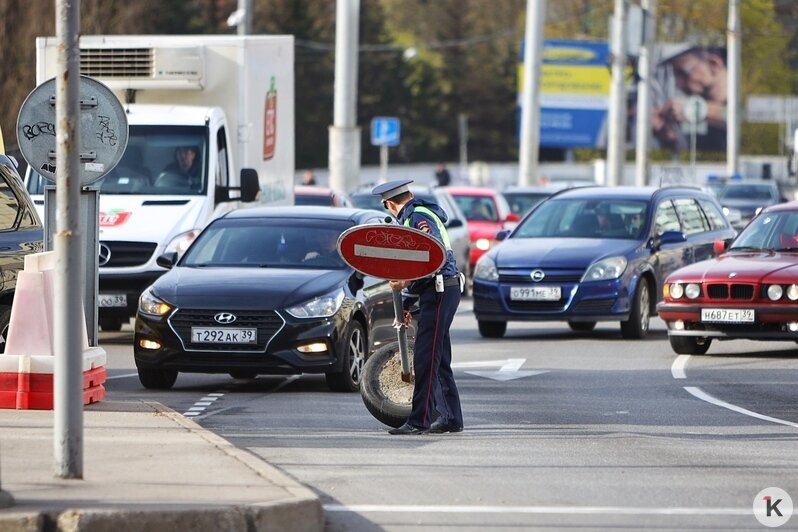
609, 268
677, 290
482, 244
319, 307
792, 292
692, 291
150, 304
775, 291
486, 269
181, 242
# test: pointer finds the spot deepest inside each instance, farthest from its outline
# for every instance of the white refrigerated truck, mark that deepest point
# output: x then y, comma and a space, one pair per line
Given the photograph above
227, 99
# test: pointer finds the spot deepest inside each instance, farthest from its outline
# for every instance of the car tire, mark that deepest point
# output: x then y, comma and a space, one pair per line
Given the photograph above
5, 319
354, 357
385, 395
582, 326
157, 379
243, 374
690, 345
110, 324
636, 327
492, 329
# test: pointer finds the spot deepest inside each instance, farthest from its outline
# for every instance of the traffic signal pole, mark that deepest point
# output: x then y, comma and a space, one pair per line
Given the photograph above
530, 93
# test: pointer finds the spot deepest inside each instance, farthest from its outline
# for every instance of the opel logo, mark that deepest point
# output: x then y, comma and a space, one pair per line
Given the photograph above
105, 255
537, 275
225, 317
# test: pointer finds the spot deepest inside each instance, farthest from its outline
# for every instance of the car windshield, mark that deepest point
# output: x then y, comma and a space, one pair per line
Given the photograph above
367, 201
586, 218
522, 202
268, 243
748, 192
158, 161
477, 208
770, 231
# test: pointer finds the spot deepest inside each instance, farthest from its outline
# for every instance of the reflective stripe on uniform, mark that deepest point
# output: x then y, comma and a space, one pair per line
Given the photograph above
438, 223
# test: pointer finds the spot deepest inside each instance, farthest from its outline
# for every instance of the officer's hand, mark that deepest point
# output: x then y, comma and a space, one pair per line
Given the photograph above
408, 318
398, 285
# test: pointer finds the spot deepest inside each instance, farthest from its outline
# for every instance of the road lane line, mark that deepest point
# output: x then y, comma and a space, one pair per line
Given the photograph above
568, 510
125, 376
700, 394
677, 369
200, 405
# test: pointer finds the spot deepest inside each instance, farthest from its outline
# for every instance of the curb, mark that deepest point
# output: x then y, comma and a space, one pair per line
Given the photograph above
301, 510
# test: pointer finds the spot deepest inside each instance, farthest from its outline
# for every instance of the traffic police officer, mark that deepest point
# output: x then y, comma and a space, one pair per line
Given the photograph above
435, 392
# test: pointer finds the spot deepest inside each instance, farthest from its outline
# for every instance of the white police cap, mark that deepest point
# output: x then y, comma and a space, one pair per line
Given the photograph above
391, 189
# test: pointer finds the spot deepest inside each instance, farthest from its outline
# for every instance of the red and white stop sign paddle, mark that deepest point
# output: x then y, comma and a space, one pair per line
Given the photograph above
391, 251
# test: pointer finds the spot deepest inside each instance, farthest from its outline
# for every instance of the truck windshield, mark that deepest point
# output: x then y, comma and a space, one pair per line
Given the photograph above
159, 160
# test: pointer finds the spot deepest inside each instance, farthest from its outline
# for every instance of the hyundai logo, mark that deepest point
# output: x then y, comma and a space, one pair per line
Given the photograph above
225, 318
105, 255
537, 275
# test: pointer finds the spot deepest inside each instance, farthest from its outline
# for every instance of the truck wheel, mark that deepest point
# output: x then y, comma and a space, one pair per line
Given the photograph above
689, 345
492, 329
110, 324
354, 357
636, 327
157, 379
582, 326
386, 396
5, 319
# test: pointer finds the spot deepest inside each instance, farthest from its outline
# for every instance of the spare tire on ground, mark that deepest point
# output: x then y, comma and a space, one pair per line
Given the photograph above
385, 395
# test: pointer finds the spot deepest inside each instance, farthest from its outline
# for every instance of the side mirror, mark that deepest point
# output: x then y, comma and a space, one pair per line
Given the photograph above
668, 237
503, 234
719, 246
221, 194
167, 260
454, 222
250, 185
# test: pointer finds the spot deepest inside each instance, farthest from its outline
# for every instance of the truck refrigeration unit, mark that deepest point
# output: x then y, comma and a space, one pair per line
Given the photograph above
211, 129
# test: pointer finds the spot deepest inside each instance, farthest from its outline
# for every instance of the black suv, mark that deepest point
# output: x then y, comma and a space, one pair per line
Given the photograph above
21, 233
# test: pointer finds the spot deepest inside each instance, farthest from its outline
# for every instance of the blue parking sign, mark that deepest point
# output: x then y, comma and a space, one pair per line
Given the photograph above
385, 131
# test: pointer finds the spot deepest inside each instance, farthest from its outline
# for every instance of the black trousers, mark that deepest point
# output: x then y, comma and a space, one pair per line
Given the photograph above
435, 392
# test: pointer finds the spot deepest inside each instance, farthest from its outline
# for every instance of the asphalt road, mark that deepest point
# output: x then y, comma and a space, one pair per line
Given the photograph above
563, 430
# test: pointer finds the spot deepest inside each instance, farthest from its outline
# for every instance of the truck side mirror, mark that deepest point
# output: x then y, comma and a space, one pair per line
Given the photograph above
250, 185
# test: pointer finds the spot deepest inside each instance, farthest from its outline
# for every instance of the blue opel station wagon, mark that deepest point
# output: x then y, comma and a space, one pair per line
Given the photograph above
595, 254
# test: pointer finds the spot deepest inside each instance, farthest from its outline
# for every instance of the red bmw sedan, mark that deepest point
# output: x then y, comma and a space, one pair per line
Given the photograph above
750, 291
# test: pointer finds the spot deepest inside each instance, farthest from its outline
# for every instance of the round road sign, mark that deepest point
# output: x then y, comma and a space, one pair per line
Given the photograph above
391, 251
695, 109
103, 130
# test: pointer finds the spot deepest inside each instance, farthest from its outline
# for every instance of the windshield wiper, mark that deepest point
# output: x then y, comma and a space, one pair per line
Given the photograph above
752, 248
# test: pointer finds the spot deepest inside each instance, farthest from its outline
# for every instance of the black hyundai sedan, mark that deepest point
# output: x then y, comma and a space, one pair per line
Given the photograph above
263, 291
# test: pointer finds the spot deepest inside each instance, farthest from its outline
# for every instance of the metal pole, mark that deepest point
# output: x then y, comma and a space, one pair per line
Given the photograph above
245, 26
68, 286
734, 60
383, 163
401, 334
530, 93
344, 154
616, 137
643, 128
462, 129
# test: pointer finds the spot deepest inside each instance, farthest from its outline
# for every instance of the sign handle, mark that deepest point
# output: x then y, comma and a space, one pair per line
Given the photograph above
401, 333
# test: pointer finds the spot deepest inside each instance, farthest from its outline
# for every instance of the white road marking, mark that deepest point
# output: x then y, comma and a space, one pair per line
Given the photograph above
569, 510
700, 394
677, 368
125, 376
508, 369
200, 406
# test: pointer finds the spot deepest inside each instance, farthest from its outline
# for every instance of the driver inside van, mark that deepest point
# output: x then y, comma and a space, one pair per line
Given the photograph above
186, 165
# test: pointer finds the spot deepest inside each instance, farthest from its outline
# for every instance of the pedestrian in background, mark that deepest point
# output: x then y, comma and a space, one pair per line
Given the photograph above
435, 392
442, 175
308, 178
